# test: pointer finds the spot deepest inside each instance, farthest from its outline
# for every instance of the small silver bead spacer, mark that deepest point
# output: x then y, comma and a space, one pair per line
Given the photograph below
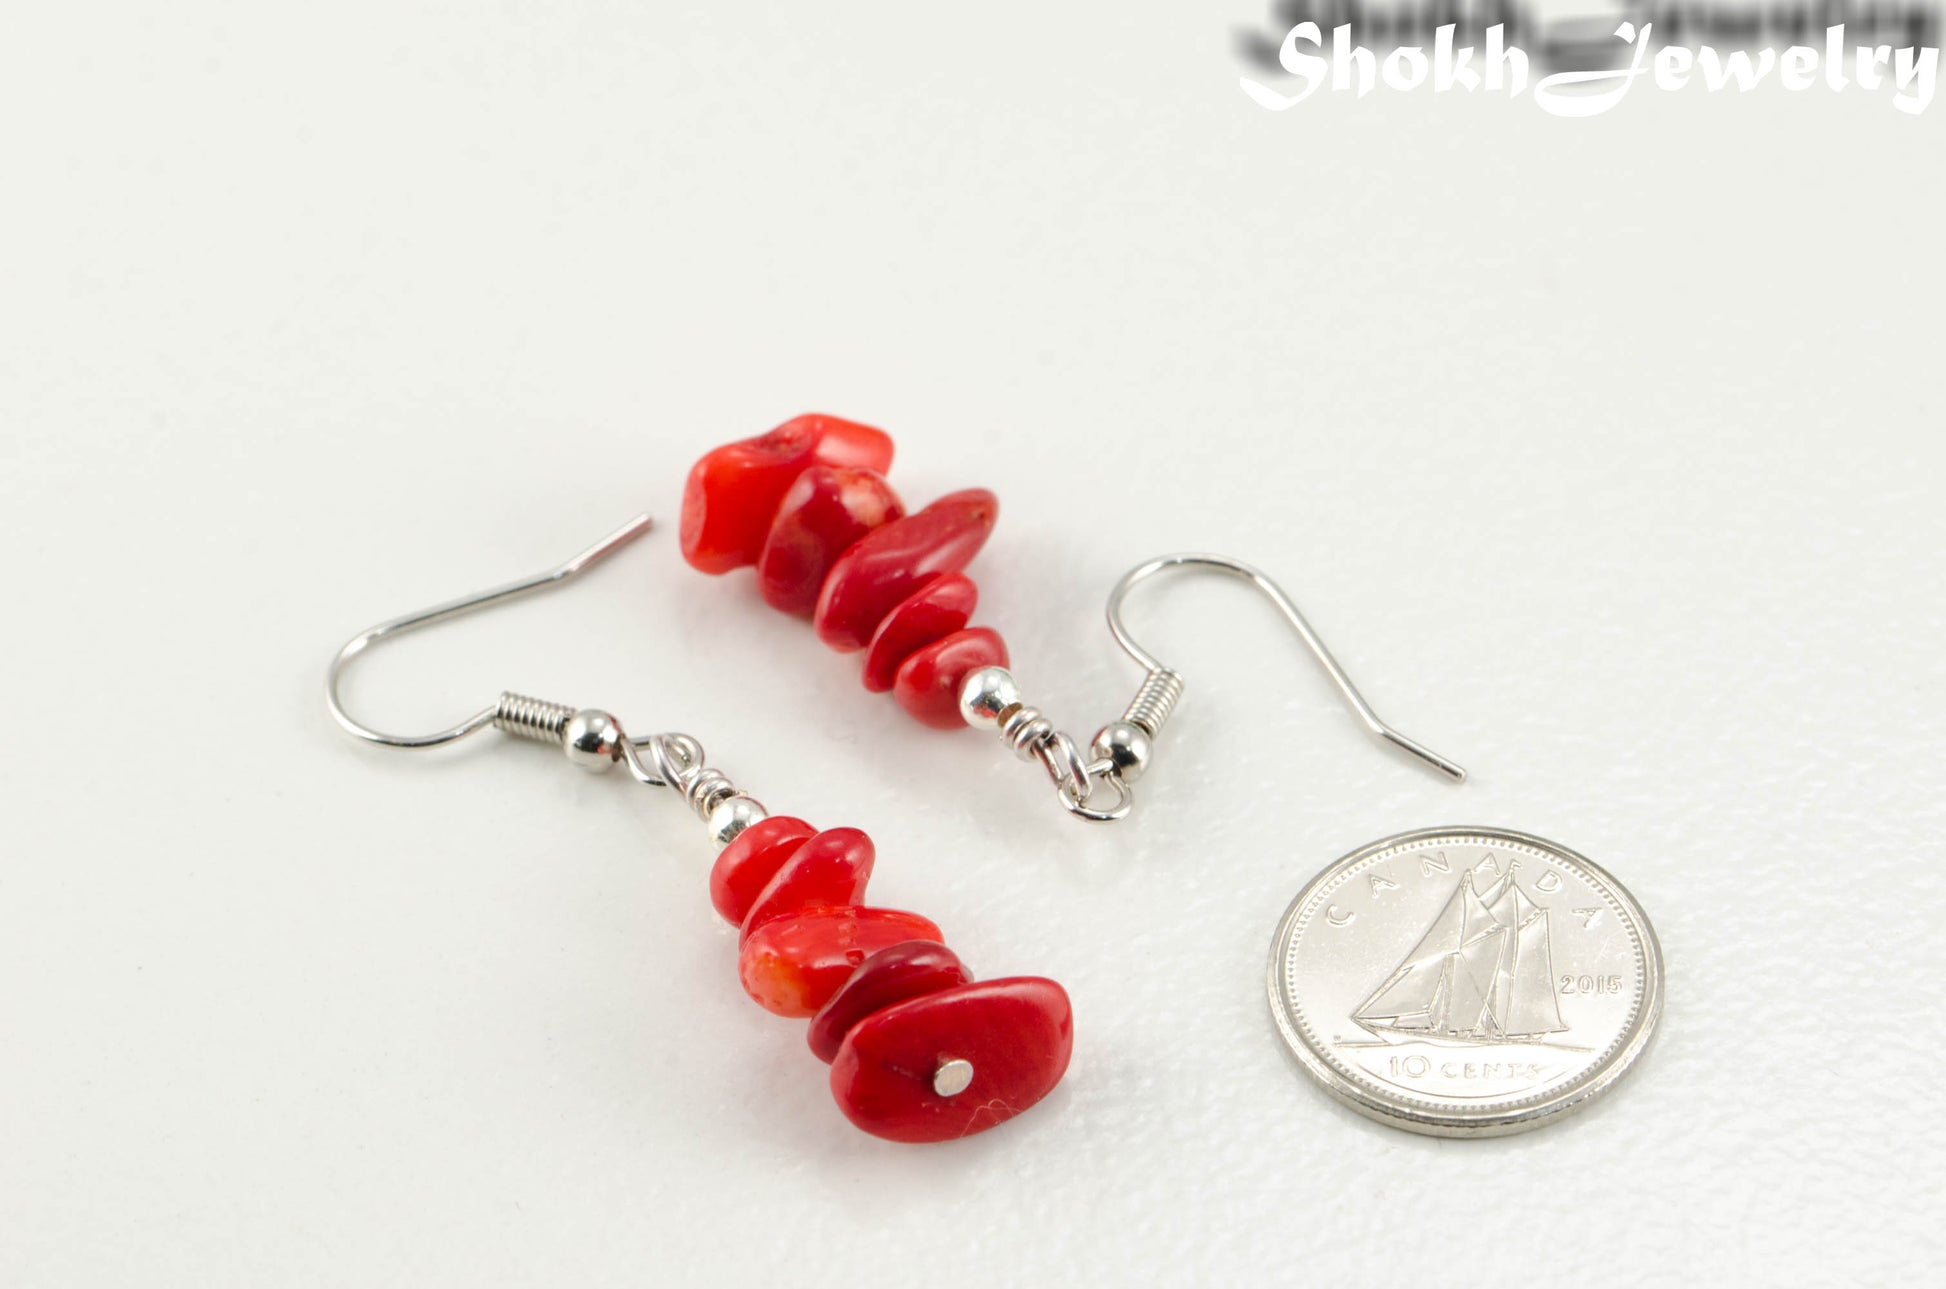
1126, 746
731, 816
987, 695
592, 739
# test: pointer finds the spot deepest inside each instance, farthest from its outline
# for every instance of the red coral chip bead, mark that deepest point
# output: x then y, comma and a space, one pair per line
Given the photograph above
892, 562
793, 965
829, 870
928, 682
895, 975
747, 864
824, 511
733, 492
902, 1074
933, 612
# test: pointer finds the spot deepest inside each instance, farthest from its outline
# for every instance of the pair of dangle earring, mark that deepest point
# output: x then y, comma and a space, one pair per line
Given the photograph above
919, 1050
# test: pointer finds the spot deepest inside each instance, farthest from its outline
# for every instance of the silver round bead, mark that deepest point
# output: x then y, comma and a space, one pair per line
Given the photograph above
1126, 746
592, 739
988, 695
732, 815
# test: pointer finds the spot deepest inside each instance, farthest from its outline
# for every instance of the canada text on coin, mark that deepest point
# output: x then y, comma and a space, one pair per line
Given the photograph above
1465, 981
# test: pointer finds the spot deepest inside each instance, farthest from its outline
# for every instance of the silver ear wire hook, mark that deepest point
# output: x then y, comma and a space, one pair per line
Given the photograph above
591, 738
499, 713
990, 698
1164, 685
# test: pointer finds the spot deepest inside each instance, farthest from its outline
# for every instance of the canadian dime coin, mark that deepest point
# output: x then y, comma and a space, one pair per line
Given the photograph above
1465, 982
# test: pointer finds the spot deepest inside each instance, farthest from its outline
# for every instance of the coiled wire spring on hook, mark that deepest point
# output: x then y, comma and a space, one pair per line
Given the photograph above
591, 738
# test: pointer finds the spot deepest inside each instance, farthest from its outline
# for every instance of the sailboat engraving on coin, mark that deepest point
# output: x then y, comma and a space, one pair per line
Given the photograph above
1482, 973
1465, 981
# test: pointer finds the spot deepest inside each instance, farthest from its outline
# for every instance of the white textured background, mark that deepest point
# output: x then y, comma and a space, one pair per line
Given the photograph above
1606, 453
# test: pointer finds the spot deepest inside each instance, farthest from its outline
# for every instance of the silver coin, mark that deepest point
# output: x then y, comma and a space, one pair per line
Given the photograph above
1465, 982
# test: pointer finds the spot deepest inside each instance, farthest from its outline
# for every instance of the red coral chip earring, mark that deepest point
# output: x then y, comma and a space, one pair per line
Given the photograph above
918, 1050
893, 587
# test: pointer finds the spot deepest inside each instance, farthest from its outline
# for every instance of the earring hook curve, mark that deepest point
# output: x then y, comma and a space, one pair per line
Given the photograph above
452, 609
1275, 594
